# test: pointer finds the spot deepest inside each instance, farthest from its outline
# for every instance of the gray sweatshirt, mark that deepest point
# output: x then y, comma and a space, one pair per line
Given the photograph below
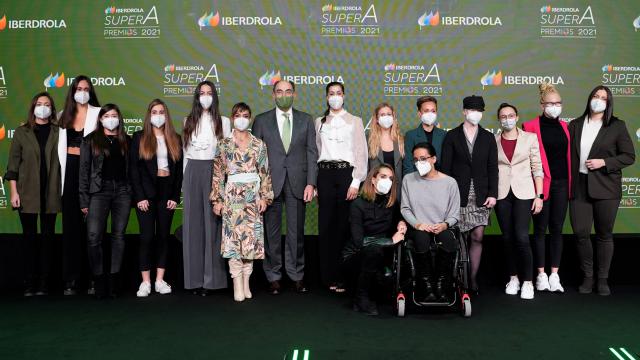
430, 201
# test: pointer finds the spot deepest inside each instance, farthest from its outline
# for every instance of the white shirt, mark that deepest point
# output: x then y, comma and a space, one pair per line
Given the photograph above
162, 154
280, 117
203, 143
590, 130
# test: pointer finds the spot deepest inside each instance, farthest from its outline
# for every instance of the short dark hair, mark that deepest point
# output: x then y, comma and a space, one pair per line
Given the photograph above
240, 107
427, 146
424, 99
293, 85
506, 105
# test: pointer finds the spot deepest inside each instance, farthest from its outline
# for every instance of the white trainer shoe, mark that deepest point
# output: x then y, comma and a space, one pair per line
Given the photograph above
162, 287
527, 291
513, 286
144, 290
554, 283
542, 282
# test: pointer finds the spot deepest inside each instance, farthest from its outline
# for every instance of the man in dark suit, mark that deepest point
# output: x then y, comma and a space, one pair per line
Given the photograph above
293, 155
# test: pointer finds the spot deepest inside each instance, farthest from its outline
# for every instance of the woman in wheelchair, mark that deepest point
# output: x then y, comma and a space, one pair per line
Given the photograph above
375, 224
431, 206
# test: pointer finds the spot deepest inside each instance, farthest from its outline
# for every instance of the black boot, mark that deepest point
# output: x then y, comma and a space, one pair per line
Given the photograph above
114, 285
424, 280
362, 302
445, 275
100, 286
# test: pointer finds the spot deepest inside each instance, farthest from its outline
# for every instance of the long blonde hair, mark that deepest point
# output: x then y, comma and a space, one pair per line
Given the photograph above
546, 89
376, 132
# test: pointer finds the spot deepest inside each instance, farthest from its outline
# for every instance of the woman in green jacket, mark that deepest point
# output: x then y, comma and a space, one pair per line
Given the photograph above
34, 178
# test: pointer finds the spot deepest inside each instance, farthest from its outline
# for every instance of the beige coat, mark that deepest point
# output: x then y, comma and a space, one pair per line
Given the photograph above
517, 175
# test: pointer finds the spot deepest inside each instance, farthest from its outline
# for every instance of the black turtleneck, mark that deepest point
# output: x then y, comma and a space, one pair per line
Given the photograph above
555, 145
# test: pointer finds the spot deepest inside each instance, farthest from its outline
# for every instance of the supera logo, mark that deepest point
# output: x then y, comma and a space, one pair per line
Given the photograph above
54, 81
622, 80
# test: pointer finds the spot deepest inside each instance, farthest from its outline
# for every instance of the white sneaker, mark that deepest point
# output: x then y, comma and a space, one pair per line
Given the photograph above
513, 286
162, 287
554, 283
542, 282
527, 291
144, 290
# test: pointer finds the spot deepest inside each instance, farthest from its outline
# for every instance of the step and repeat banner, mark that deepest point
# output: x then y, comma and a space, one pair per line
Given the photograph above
393, 51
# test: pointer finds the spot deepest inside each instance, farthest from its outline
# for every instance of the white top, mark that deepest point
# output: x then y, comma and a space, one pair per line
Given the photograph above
590, 130
162, 154
203, 143
280, 117
342, 138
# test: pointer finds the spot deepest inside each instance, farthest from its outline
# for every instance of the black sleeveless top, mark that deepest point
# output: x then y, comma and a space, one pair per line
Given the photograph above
74, 138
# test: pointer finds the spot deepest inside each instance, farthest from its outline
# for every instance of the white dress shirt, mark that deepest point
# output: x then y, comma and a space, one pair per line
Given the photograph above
203, 143
280, 117
162, 154
590, 130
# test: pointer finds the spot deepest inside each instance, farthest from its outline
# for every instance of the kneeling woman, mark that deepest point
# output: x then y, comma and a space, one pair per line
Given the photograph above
373, 218
240, 192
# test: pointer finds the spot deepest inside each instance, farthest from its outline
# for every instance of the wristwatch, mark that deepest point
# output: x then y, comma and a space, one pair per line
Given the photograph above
541, 196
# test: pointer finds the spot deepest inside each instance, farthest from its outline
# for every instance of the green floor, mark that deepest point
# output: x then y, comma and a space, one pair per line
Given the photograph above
183, 326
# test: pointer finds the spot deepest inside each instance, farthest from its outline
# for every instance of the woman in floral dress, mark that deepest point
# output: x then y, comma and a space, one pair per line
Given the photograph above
240, 192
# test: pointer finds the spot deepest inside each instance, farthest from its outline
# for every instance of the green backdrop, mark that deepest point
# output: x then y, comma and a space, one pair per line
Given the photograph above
390, 51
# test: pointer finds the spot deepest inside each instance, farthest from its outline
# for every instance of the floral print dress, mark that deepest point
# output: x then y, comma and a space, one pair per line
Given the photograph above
240, 179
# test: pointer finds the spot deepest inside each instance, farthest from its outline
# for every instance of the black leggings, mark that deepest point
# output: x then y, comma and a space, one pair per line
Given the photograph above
37, 249
155, 223
513, 217
553, 213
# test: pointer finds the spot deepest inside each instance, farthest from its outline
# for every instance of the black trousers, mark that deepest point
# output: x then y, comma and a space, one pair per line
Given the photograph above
438, 250
585, 211
114, 198
155, 227
37, 247
513, 217
554, 211
333, 221
74, 229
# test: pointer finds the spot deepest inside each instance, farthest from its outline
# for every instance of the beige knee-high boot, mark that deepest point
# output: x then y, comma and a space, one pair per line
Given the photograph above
247, 269
235, 268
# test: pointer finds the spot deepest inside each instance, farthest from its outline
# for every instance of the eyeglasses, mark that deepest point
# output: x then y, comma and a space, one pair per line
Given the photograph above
423, 158
507, 117
559, 103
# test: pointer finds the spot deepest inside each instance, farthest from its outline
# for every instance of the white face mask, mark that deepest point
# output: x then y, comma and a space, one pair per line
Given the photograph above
81, 97
386, 121
428, 118
241, 123
157, 120
508, 124
335, 102
42, 111
383, 186
553, 111
474, 117
598, 105
424, 167
110, 123
206, 101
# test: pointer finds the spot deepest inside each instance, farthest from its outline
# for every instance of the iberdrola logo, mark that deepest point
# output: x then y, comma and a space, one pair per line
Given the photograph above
110, 10
269, 78
170, 68
545, 9
209, 20
390, 67
491, 78
3, 132
607, 68
54, 81
327, 8
636, 23
3, 22
431, 19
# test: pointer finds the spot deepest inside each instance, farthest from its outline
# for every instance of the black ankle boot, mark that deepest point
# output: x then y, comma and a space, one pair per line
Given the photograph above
445, 269
362, 302
100, 286
424, 292
114, 285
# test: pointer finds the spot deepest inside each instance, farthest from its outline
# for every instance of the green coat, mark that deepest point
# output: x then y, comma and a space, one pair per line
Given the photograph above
24, 167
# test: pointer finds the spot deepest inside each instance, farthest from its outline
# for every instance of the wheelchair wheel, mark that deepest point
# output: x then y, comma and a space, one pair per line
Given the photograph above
400, 305
466, 306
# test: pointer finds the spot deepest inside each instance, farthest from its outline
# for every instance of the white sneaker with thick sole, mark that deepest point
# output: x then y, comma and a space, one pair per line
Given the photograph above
527, 291
513, 286
542, 282
162, 287
554, 283
144, 290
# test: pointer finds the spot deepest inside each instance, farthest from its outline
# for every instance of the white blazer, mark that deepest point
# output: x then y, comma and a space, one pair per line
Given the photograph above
90, 124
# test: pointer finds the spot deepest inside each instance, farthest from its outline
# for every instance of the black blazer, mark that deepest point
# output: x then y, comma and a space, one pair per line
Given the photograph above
483, 168
144, 173
613, 144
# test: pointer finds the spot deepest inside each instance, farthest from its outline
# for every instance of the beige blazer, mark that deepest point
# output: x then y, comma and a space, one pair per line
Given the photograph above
517, 175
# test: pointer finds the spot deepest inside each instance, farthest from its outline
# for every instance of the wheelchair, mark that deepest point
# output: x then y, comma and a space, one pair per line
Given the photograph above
405, 279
